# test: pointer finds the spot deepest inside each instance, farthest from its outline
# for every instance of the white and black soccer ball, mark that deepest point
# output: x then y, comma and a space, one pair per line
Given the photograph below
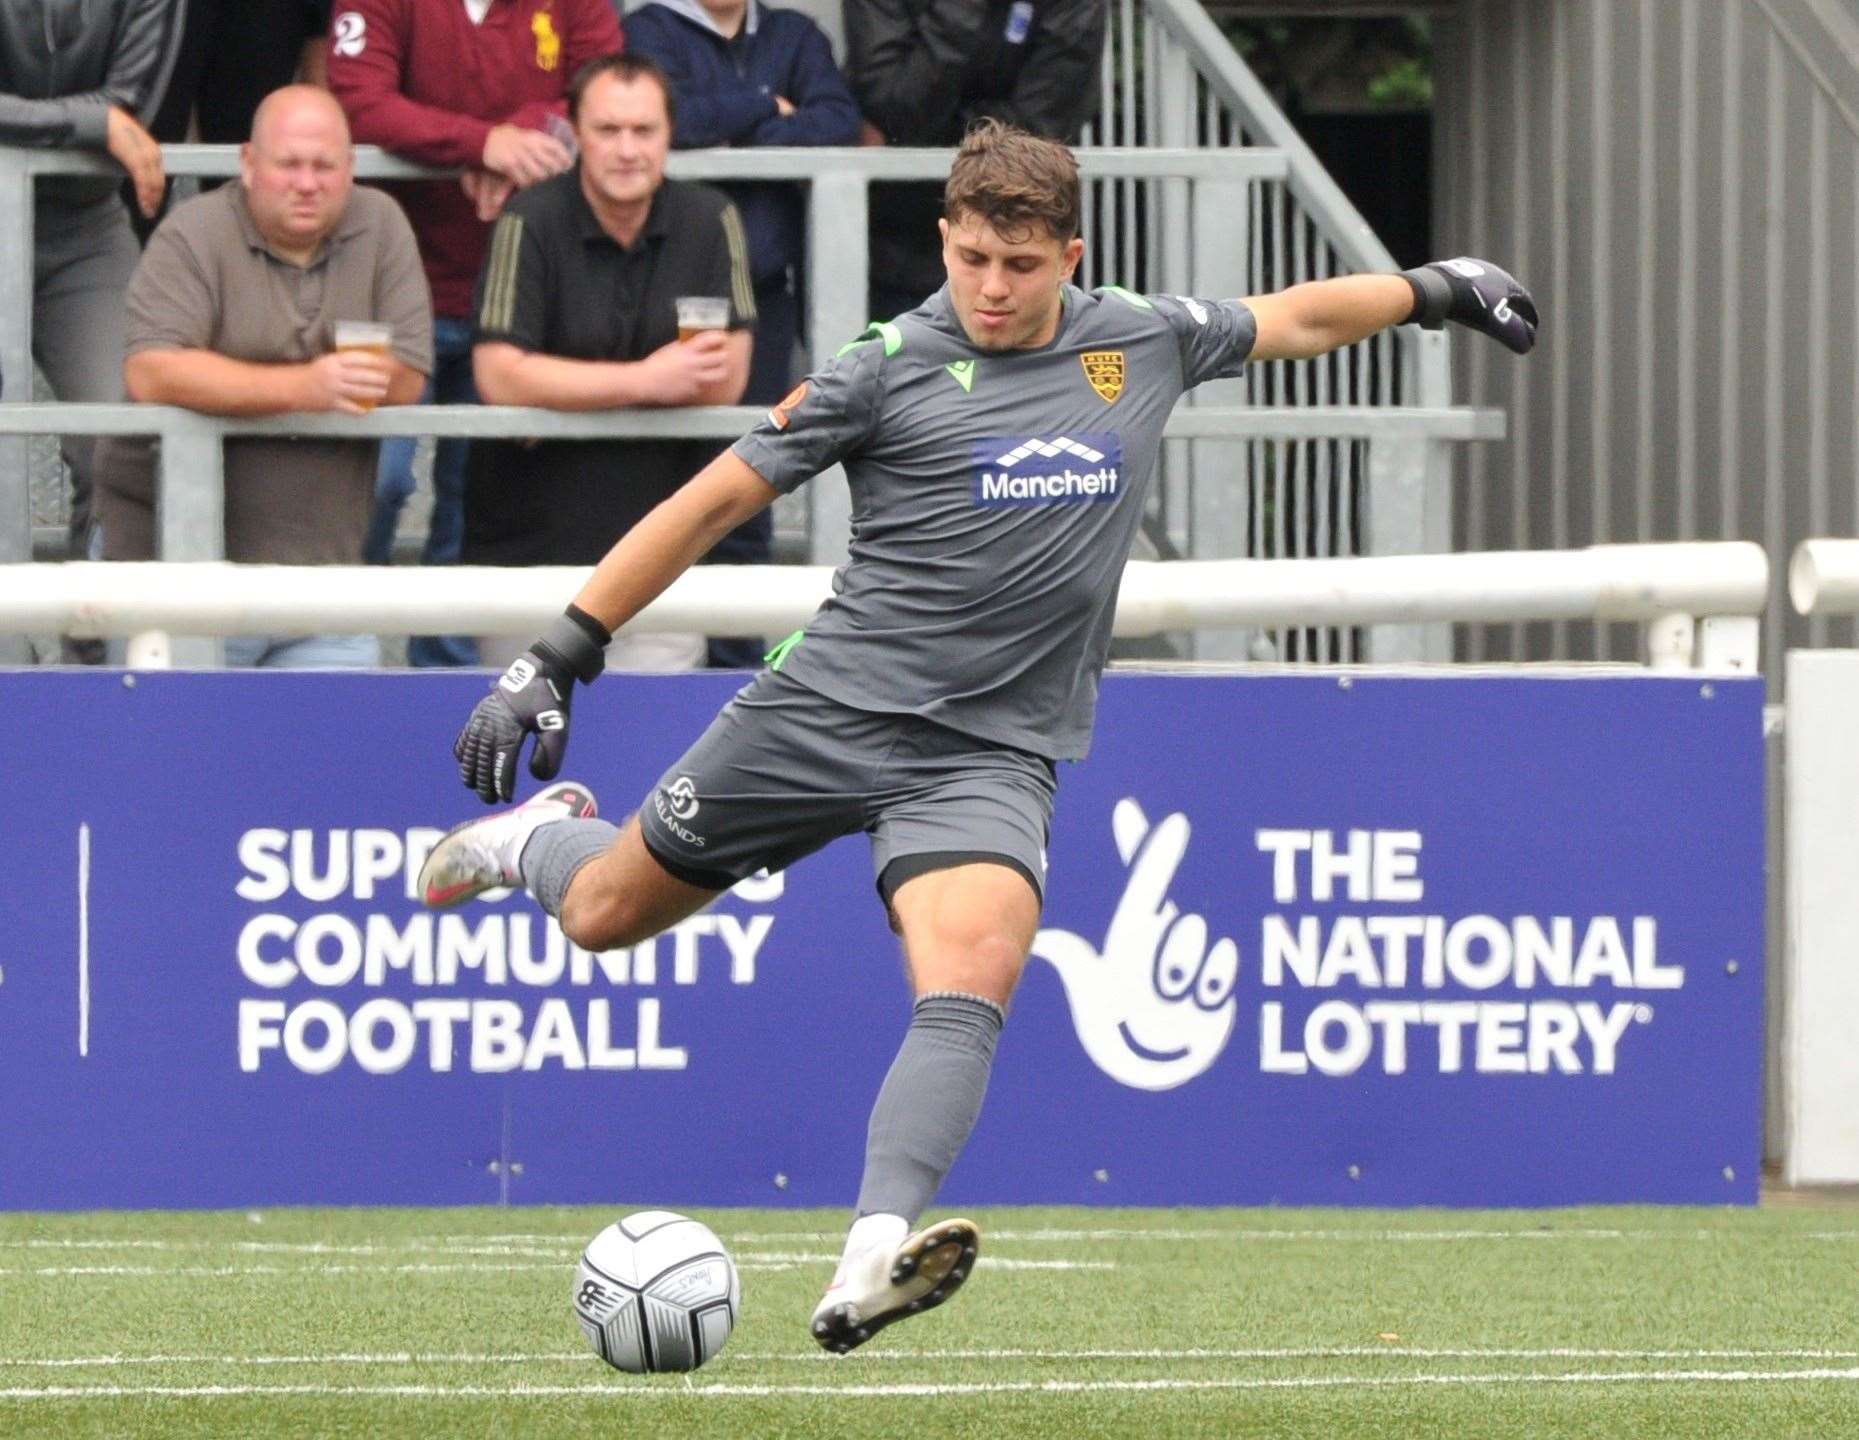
656, 1292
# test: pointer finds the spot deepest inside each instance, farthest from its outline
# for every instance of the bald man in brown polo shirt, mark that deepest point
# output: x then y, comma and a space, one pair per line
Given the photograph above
232, 312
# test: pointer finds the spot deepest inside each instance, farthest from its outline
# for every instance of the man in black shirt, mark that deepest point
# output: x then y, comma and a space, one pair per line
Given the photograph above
923, 71
576, 309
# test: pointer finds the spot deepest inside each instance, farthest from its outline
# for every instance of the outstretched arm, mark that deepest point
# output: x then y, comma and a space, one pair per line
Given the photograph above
672, 538
535, 694
1324, 315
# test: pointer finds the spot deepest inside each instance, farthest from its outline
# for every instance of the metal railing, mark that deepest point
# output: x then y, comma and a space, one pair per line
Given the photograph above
1207, 190
1697, 602
837, 180
1823, 577
190, 496
1170, 78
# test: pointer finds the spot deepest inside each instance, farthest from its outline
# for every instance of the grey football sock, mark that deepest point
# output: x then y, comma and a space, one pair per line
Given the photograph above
554, 855
928, 1103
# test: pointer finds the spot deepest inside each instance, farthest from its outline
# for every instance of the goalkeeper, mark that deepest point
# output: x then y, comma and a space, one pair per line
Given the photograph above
998, 440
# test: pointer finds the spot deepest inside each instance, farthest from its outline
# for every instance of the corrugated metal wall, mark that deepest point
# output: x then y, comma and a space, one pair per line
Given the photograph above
1675, 181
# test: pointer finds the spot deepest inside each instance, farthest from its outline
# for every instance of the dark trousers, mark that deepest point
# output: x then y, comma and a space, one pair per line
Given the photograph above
451, 383
771, 376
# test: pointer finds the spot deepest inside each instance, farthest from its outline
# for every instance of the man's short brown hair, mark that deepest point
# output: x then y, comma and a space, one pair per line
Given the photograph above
1015, 181
626, 68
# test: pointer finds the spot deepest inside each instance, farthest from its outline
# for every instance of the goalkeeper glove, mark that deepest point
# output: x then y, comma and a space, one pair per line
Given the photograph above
532, 697
1474, 293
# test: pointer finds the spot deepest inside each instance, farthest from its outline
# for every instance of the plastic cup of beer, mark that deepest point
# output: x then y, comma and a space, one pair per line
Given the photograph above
698, 313
363, 335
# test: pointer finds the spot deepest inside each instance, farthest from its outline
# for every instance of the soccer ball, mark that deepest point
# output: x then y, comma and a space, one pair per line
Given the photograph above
656, 1291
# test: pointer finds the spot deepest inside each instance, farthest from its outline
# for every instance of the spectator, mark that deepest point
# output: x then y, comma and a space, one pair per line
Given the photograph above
576, 310
924, 70
232, 312
744, 73
477, 84
81, 77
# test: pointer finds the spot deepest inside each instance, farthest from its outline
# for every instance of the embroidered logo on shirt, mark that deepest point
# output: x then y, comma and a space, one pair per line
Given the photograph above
1019, 22
548, 43
1104, 369
778, 417
964, 373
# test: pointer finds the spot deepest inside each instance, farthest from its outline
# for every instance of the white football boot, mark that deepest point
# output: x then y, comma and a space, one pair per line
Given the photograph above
875, 1287
482, 854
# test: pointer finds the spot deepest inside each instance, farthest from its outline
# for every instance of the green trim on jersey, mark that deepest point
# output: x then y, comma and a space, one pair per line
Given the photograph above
1141, 302
878, 330
778, 656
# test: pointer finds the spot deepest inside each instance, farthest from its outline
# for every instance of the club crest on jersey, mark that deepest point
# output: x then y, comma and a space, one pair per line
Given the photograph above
1083, 468
1104, 369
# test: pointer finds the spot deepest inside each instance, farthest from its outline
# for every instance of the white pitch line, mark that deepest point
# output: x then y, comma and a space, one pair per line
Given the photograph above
1323, 1352
751, 1263
315, 1271
285, 1247
458, 1243
79, 1362
1378, 1237
986, 1262
586, 1357
618, 1391
1374, 1236
294, 1270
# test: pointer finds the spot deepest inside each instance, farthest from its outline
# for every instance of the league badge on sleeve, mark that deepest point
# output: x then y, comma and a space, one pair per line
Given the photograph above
778, 417
1104, 369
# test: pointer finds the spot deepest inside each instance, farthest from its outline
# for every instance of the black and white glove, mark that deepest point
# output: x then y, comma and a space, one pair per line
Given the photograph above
1474, 293
532, 697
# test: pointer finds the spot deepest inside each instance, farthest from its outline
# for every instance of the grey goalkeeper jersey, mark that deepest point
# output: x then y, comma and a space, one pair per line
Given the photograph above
995, 497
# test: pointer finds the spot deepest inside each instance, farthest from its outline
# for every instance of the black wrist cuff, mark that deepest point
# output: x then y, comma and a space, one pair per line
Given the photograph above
598, 633
1432, 297
576, 640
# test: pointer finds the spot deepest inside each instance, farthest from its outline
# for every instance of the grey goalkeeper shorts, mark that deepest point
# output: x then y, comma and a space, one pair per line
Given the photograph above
783, 770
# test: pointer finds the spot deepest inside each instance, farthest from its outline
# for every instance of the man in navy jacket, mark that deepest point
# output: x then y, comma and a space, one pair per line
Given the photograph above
745, 73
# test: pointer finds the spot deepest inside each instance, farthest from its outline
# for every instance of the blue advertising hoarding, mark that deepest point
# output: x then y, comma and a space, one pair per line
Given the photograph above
1453, 939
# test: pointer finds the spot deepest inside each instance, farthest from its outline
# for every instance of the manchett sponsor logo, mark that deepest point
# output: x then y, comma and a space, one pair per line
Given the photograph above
1080, 468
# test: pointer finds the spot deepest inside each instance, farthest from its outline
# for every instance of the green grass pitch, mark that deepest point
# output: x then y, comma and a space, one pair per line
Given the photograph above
1127, 1323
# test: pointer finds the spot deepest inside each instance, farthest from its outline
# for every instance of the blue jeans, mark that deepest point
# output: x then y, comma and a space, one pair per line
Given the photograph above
450, 384
303, 652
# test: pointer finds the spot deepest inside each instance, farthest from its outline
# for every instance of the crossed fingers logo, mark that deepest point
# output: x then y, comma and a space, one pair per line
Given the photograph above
1153, 1004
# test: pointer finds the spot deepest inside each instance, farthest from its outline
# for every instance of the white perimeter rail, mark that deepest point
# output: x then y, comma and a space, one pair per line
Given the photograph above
1823, 577
1698, 602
